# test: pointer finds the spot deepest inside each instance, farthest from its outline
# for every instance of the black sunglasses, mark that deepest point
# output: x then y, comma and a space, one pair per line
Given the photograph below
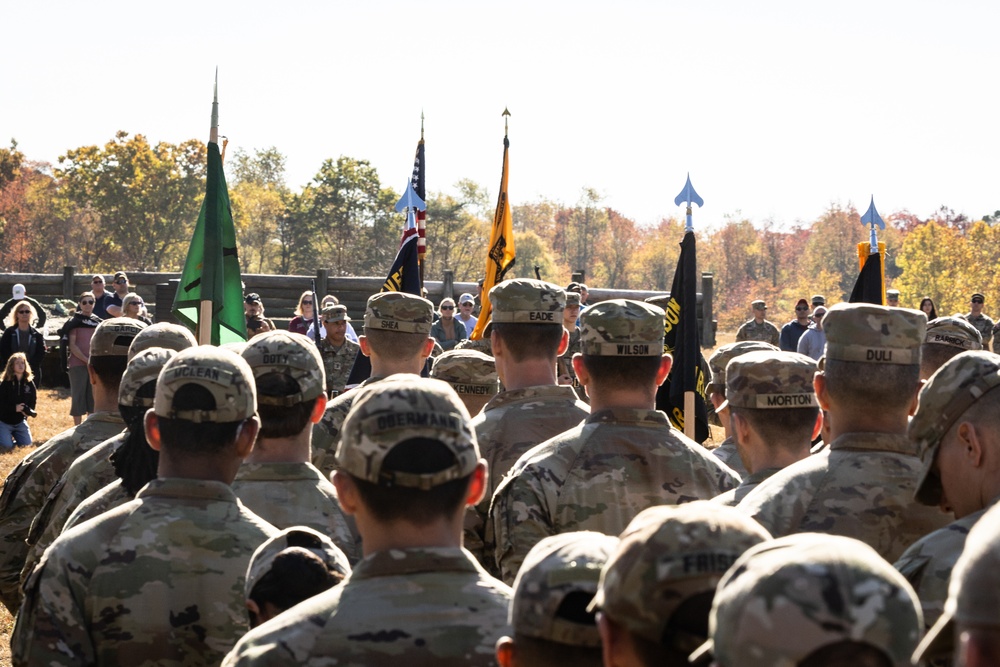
87, 302
977, 301
307, 303
801, 307
447, 307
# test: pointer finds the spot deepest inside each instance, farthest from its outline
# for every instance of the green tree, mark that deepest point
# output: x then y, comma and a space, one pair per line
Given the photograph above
260, 198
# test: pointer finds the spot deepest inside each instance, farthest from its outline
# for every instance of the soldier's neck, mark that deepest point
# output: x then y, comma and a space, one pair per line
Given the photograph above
208, 468
758, 455
385, 367
633, 399
874, 421
294, 449
405, 535
105, 400
531, 373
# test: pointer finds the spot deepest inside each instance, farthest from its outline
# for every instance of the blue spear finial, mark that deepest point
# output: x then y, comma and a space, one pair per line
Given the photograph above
871, 217
691, 197
410, 200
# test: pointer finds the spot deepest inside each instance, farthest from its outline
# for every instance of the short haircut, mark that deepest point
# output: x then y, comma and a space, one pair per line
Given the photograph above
534, 651
622, 372
396, 345
862, 386
847, 652
109, 370
394, 503
196, 438
934, 355
529, 341
278, 421
295, 575
781, 424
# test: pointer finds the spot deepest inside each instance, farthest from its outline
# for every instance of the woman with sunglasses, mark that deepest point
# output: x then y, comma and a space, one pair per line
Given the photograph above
20, 336
134, 307
447, 331
77, 333
17, 401
303, 319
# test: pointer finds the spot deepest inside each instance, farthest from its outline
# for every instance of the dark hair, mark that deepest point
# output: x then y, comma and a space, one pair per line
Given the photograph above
535, 651
395, 345
623, 372
109, 370
529, 341
295, 575
398, 503
847, 652
933, 313
860, 386
135, 462
935, 355
780, 424
197, 438
279, 421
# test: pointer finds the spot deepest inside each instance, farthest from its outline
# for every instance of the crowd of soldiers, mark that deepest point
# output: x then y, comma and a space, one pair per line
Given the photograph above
218, 507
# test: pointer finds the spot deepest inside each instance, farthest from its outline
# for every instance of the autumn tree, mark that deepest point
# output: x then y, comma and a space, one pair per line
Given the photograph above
259, 197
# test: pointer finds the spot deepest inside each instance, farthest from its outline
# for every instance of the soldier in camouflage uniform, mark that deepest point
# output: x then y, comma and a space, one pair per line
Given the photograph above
726, 452
397, 340
976, 318
277, 481
955, 429
657, 587
548, 614
473, 376
624, 458
93, 470
817, 600
337, 350
774, 413
862, 485
947, 337
159, 580
408, 465
28, 484
570, 317
757, 328
969, 629
527, 335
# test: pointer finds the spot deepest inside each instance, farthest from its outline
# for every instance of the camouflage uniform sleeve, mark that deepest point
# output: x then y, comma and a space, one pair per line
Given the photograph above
326, 436
775, 335
15, 520
779, 503
741, 333
521, 516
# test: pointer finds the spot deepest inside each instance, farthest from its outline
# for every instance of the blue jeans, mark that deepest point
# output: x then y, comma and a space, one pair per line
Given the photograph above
14, 433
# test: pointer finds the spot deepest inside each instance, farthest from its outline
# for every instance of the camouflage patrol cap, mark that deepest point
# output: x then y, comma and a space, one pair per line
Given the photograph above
622, 328
162, 334
572, 299
400, 312
867, 333
142, 369
954, 332
296, 537
786, 598
468, 372
758, 304
223, 373
484, 345
946, 396
113, 337
972, 590
528, 301
235, 347
720, 359
399, 408
290, 354
336, 313
769, 380
667, 555
818, 300
558, 567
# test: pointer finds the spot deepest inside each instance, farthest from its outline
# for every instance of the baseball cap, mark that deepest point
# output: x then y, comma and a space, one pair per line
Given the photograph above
467, 371
399, 408
162, 334
466, 298
786, 598
18, 292
142, 369
558, 570
867, 333
667, 555
892, 293
296, 537
399, 311
758, 304
252, 297
720, 359
946, 396
954, 332
528, 301
290, 354
336, 313
120, 274
801, 302
972, 591
112, 338
977, 295
622, 328
770, 380
223, 373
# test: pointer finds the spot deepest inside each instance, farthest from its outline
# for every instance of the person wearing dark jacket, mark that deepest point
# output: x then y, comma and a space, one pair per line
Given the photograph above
17, 401
20, 336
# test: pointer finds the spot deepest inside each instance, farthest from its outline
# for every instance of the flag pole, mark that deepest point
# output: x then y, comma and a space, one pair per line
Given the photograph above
420, 256
874, 246
688, 195
205, 306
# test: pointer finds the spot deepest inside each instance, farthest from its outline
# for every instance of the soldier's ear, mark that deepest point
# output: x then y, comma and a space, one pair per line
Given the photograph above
665, 364
505, 652
477, 484
365, 347
819, 384
916, 395
428, 348
347, 493
582, 374
318, 410
152, 427
563, 343
818, 426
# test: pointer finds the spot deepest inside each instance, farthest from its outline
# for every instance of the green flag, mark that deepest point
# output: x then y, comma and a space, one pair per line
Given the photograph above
212, 270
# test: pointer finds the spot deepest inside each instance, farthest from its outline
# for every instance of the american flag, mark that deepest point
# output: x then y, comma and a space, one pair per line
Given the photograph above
419, 184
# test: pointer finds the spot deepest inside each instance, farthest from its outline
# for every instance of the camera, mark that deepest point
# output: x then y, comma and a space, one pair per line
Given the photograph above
30, 412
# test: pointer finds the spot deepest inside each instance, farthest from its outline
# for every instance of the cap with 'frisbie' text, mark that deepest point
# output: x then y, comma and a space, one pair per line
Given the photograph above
770, 380
224, 374
946, 396
296, 537
622, 328
162, 334
142, 369
113, 337
400, 312
954, 332
291, 354
468, 372
557, 569
866, 333
400, 408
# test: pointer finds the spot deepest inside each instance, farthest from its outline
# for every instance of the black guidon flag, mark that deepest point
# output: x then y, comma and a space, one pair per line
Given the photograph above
868, 288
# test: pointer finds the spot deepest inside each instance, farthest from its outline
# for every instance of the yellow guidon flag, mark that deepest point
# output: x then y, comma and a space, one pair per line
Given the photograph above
501, 254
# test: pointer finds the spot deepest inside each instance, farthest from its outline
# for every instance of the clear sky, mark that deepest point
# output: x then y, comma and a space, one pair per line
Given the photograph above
777, 109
